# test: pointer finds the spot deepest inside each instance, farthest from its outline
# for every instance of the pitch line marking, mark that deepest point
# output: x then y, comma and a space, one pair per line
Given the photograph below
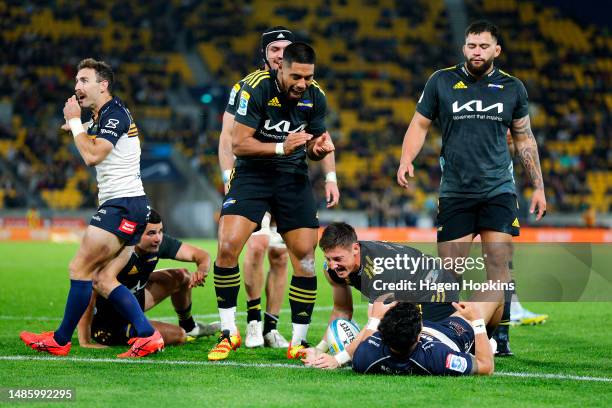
268, 365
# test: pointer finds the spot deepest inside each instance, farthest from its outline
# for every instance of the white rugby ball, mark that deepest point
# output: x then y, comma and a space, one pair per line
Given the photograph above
340, 334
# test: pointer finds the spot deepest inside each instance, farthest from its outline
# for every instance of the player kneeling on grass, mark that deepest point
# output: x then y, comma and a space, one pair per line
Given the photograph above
397, 340
104, 325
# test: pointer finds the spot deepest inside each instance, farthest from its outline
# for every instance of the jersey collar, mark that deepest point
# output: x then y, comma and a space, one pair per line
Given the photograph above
472, 78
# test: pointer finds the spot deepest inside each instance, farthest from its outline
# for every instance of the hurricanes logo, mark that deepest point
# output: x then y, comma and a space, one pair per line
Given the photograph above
516, 223
460, 85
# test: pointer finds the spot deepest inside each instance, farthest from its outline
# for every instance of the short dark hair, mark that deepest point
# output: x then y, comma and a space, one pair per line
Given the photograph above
483, 26
400, 327
104, 72
337, 234
299, 52
154, 217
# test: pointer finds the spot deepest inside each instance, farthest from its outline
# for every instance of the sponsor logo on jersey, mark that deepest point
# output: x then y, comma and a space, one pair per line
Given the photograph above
305, 104
128, 227
283, 126
112, 123
102, 131
476, 106
233, 93
274, 102
244, 103
138, 287
456, 363
133, 271
460, 85
495, 86
228, 202
95, 217
102, 211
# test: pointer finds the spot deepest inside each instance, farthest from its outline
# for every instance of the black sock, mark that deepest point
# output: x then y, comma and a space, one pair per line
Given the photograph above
227, 285
503, 330
302, 295
270, 322
254, 310
185, 319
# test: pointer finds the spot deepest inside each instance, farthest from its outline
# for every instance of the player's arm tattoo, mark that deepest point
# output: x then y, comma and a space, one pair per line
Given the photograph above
527, 150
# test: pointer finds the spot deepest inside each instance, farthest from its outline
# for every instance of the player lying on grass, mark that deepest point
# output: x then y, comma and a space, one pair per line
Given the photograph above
349, 262
397, 340
104, 325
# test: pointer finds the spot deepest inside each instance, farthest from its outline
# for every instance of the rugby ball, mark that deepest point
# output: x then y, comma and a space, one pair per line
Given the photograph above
340, 334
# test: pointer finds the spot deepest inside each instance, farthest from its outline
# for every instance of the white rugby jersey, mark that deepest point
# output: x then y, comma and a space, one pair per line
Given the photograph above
118, 175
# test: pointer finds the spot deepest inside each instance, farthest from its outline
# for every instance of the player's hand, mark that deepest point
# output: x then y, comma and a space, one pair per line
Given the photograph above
380, 308
324, 361
72, 109
468, 310
538, 201
401, 174
66, 127
92, 345
295, 140
332, 194
323, 145
198, 278
312, 353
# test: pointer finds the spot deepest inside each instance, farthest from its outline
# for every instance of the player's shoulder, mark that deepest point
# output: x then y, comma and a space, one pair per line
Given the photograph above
257, 79
508, 78
116, 110
317, 89
445, 73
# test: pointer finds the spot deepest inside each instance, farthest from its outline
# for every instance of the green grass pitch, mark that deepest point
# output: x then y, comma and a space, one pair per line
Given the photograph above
566, 361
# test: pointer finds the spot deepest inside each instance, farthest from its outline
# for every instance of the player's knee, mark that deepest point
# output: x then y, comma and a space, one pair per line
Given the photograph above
256, 249
278, 259
306, 265
182, 277
228, 253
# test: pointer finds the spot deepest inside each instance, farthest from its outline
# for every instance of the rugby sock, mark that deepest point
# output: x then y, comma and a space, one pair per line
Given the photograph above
302, 295
185, 319
254, 310
227, 285
76, 304
270, 322
126, 304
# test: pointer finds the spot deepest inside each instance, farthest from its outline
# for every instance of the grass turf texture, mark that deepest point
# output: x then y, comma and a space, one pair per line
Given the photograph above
576, 342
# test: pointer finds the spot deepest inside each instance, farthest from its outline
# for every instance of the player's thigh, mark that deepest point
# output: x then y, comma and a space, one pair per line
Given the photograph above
163, 283
294, 206
499, 214
97, 248
234, 231
105, 278
456, 218
249, 196
171, 333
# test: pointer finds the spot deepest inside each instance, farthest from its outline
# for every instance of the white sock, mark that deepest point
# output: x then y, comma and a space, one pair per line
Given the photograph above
300, 332
228, 320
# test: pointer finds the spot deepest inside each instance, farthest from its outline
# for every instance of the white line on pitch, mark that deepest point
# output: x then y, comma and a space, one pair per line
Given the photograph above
266, 365
171, 318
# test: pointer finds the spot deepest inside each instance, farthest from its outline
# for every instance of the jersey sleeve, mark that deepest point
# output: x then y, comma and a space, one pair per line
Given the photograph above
317, 127
251, 104
169, 247
232, 102
113, 125
368, 354
428, 102
522, 102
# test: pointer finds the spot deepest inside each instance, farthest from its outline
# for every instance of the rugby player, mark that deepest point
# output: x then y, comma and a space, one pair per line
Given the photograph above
273, 42
476, 103
397, 340
280, 119
110, 143
102, 323
353, 263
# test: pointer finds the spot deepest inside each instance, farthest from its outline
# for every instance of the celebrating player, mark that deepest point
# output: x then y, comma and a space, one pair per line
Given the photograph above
279, 121
353, 263
476, 103
273, 43
111, 144
101, 321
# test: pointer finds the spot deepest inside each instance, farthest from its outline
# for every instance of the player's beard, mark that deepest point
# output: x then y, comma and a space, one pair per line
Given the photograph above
479, 70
